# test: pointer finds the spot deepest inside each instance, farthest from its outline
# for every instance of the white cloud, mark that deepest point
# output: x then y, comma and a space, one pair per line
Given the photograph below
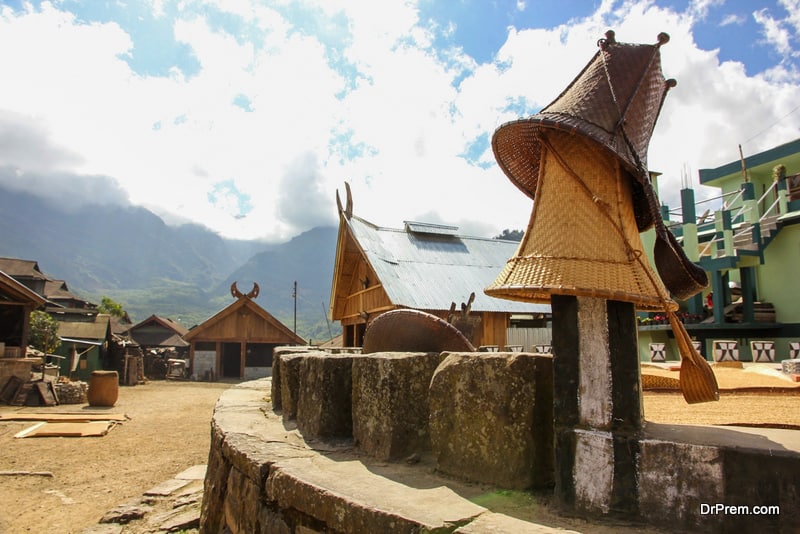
355, 91
773, 31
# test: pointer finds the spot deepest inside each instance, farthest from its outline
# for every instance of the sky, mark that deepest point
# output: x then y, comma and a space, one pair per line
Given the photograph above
248, 116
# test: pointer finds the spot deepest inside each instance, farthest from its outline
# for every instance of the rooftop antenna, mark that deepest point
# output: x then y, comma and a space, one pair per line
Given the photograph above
294, 296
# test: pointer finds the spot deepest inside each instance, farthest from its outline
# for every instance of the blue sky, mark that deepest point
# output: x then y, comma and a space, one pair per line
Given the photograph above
248, 116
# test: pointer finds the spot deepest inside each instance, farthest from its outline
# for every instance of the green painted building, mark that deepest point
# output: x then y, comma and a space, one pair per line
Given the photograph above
748, 241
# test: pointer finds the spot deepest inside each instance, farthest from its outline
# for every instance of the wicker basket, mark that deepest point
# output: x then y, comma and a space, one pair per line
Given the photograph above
582, 238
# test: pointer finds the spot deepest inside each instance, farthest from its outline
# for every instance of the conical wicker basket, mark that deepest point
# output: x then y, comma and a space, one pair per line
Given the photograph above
582, 238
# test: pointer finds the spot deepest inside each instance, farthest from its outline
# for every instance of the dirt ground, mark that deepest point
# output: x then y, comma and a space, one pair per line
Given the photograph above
169, 431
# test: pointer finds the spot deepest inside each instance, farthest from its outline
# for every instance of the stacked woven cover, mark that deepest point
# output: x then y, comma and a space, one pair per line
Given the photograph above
583, 161
573, 245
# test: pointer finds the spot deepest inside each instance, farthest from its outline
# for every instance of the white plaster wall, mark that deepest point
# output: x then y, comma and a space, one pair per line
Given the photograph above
252, 373
204, 360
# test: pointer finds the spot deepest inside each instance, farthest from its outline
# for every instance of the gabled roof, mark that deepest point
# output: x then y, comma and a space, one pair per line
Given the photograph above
96, 329
18, 268
159, 331
164, 322
13, 291
57, 289
243, 304
428, 267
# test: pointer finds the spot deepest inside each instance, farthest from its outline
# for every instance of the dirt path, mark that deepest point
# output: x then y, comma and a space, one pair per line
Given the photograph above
168, 431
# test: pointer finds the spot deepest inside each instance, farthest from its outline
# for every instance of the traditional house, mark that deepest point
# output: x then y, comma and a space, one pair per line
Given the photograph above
57, 293
427, 267
747, 239
26, 272
85, 341
16, 304
238, 341
159, 333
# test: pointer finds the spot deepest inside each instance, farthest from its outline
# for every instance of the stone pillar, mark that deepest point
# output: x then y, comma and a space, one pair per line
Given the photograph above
597, 405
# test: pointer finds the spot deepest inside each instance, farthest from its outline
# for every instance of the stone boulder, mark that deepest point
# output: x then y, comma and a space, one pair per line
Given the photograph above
324, 401
275, 386
390, 402
288, 379
491, 418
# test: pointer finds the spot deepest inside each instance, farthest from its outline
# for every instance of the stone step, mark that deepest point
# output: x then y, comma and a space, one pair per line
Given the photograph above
322, 487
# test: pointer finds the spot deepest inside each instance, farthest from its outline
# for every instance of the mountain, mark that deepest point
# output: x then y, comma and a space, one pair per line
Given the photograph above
183, 272
308, 260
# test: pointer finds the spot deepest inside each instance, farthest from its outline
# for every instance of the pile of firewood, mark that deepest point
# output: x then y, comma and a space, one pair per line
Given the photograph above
71, 392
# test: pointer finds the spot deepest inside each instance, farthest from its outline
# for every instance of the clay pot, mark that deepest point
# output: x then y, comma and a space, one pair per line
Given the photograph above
103, 388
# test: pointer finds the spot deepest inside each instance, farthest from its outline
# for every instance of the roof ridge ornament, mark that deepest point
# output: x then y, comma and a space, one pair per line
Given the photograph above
253, 293
348, 209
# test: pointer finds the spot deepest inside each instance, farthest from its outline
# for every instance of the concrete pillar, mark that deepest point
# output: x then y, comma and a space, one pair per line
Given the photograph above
783, 197
724, 228
748, 283
597, 405
719, 287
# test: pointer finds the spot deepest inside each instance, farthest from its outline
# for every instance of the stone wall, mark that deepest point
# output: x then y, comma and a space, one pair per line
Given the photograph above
264, 477
491, 418
298, 466
390, 403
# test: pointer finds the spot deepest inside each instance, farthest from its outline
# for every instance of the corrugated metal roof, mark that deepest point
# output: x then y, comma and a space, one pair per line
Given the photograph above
95, 329
429, 271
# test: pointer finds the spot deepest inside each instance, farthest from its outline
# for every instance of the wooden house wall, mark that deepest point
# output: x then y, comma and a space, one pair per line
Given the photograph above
364, 293
494, 329
231, 344
243, 325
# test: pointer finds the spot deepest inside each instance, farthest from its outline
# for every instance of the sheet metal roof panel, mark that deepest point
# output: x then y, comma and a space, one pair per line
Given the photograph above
85, 330
429, 272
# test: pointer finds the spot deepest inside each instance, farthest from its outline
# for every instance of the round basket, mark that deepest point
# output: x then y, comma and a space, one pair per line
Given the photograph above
103, 388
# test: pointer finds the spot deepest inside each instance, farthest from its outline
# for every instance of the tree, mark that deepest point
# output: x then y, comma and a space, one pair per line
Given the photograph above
111, 307
44, 332
511, 235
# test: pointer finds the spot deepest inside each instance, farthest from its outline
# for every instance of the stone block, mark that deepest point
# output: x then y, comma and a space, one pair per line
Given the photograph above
676, 478
245, 510
275, 386
491, 418
289, 379
324, 402
390, 402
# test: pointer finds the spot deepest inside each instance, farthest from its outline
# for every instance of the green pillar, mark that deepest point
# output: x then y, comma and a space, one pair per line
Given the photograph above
748, 281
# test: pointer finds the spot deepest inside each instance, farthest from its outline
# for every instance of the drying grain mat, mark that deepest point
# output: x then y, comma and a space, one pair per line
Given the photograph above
755, 378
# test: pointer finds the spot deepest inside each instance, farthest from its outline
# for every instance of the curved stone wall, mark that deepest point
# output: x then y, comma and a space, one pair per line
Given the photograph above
263, 476
410, 442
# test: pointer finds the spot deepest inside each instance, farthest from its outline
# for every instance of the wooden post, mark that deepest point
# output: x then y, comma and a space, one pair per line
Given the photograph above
597, 405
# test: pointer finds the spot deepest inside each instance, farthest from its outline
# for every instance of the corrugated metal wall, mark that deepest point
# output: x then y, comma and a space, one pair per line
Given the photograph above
528, 337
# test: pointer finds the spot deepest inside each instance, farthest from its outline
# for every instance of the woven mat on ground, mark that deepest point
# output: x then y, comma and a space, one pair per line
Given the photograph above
62, 416
752, 377
75, 430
